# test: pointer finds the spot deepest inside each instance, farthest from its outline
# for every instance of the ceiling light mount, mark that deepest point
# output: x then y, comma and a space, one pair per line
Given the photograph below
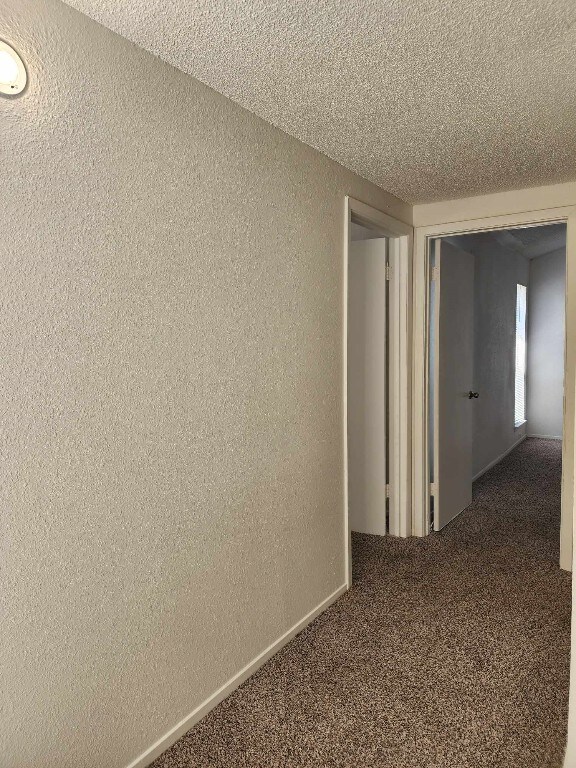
13, 75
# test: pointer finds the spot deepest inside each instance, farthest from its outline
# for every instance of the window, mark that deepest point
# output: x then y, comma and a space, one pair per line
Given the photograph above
520, 375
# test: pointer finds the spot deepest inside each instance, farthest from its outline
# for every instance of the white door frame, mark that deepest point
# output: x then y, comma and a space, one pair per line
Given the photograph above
400, 237
421, 269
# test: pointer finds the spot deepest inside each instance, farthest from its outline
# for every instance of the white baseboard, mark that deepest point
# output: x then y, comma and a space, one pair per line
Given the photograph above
499, 459
212, 701
547, 437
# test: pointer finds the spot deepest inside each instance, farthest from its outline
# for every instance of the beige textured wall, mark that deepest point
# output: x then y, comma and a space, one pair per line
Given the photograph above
170, 391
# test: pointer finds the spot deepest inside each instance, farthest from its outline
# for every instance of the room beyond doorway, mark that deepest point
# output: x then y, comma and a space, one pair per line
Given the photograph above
496, 353
533, 258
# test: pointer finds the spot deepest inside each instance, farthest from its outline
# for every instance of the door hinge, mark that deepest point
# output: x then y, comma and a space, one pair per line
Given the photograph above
387, 490
432, 489
387, 271
434, 273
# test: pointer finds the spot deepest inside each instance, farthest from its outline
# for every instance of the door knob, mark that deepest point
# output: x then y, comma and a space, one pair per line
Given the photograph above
473, 394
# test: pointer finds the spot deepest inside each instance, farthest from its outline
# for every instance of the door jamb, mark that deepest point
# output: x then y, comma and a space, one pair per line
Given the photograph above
400, 236
421, 267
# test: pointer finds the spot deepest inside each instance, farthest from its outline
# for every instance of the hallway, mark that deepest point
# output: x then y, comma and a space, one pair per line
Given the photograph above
448, 652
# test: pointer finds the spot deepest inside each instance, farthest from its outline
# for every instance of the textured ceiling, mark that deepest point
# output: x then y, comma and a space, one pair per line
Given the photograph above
432, 99
531, 242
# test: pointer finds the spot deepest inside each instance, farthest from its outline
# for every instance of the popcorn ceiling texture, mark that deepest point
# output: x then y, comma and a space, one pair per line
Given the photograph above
171, 391
430, 100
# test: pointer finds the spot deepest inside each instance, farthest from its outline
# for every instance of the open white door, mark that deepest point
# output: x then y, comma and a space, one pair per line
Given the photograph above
367, 395
454, 399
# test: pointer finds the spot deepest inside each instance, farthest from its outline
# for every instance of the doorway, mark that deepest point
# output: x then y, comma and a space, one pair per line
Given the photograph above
423, 255
497, 305
376, 374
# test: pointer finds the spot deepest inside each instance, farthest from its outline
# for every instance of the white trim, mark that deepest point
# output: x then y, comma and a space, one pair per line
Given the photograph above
422, 275
389, 226
483, 218
347, 531
225, 690
501, 221
499, 458
400, 237
399, 455
547, 437
567, 515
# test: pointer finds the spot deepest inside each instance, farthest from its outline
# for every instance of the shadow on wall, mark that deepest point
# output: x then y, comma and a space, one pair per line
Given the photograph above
546, 332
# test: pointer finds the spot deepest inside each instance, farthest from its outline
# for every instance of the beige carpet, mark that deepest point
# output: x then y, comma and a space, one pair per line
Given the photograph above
450, 651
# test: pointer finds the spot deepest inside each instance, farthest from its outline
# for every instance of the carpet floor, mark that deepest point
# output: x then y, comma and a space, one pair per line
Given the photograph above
448, 652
